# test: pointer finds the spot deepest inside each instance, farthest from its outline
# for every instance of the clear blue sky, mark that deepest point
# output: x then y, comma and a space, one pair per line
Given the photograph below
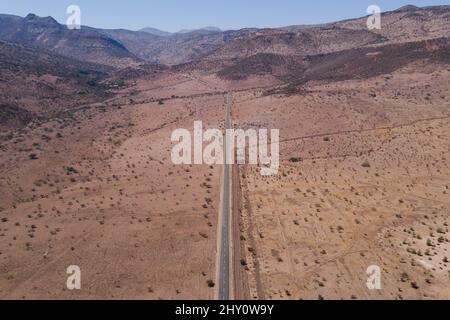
173, 15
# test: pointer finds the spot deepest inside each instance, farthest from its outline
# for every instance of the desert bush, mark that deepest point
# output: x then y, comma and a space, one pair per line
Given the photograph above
70, 170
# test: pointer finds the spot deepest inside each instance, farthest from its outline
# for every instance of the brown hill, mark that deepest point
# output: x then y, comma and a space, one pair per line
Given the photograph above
342, 65
263, 63
39, 82
176, 48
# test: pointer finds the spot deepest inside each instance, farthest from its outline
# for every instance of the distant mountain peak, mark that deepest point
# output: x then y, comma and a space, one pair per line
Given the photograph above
156, 32
408, 7
31, 17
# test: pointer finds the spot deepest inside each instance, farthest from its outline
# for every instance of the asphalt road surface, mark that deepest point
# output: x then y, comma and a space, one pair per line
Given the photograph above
224, 264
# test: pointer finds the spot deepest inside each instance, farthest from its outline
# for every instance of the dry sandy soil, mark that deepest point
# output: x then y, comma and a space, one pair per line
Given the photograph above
364, 180
97, 189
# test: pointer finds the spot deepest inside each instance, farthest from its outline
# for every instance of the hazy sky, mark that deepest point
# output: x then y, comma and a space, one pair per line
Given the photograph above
173, 15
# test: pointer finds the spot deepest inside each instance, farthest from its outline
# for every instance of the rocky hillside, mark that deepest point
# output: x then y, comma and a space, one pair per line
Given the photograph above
214, 49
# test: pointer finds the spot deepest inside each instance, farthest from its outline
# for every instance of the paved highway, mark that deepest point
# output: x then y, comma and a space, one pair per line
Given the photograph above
224, 263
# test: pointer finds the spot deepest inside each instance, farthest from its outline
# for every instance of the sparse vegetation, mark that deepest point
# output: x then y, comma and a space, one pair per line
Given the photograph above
366, 164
